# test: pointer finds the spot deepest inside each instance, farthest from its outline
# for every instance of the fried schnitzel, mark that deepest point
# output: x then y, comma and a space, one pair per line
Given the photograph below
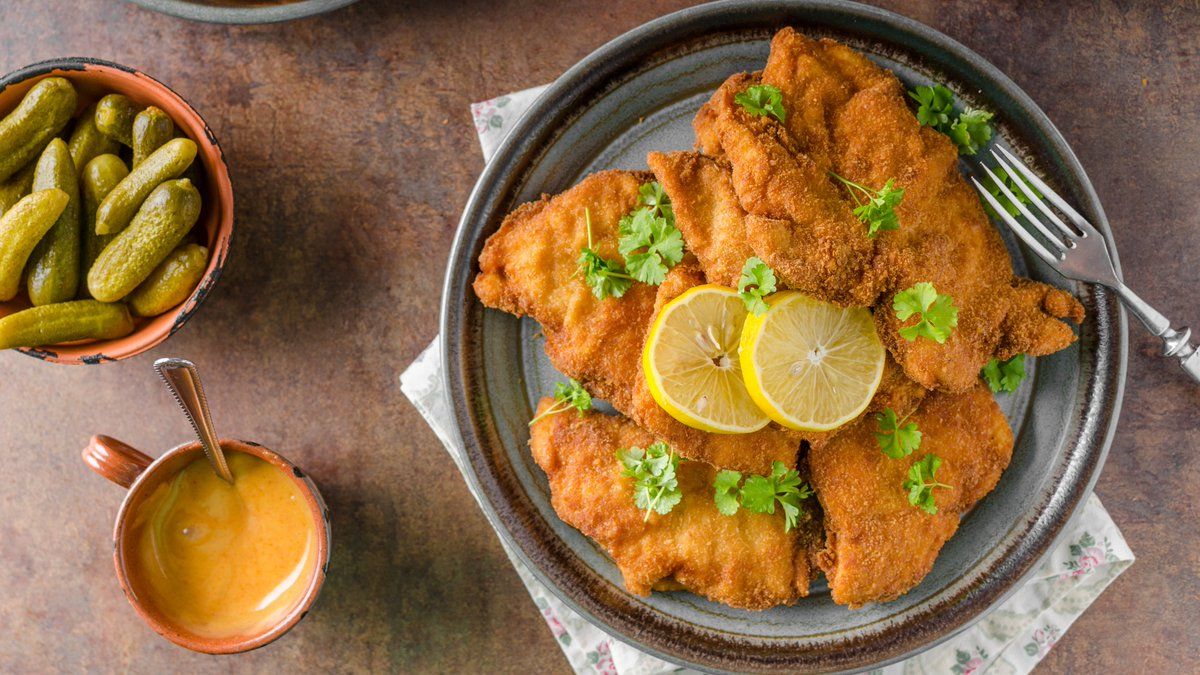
745, 560
849, 116
765, 186
796, 218
707, 212
878, 545
528, 268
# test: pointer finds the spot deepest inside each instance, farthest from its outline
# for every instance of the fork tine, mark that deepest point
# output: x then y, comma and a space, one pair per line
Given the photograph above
1012, 198
1013, 225
1084, 226
1036, 200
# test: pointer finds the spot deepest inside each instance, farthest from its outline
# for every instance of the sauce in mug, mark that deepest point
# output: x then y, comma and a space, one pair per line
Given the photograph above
220, 560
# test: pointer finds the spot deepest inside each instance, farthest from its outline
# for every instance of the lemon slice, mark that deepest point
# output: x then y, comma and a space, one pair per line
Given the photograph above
691, 363
810, 365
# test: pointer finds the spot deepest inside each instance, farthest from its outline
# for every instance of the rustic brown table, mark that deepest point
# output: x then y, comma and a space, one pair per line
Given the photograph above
352, 154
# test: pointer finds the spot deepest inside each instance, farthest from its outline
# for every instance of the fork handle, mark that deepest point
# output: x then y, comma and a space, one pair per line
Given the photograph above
1176, 341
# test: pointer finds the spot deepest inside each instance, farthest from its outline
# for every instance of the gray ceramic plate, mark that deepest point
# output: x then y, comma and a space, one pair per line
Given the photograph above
250, 11
639, 93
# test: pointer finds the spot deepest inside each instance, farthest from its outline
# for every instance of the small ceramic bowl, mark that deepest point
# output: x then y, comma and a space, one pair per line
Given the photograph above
139, 474
92, 79
243, 11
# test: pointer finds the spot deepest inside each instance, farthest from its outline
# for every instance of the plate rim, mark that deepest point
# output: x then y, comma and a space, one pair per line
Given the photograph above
503, 169
243, 16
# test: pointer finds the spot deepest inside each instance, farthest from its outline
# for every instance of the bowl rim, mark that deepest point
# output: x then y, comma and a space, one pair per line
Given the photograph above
194, 11
219, 252
1101, 390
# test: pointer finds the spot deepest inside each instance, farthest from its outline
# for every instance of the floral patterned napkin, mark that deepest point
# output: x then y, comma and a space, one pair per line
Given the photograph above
1011, 639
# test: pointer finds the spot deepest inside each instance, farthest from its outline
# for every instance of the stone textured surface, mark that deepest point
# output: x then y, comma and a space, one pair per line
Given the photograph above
352, 154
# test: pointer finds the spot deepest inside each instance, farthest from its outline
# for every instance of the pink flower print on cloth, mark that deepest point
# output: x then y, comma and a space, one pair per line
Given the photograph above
1043, 639
1086, 555
601, 660
966, 663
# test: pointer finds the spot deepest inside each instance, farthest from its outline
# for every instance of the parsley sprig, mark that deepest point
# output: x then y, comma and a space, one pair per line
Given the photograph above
938, 315
649, 241
762, 100
878, 210
921, 482
935, 106
726, 490
895, 438
760, 493
1009, 182
970, 130
567, 395
1005, 376
607, 278
756, 283
655, 487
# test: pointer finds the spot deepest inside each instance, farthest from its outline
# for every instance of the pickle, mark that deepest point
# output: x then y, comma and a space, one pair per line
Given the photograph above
44, 112
21, 228
151, 128
87, 142
171, 282
114, 118
165, 163
54, 265
65, 322
16, 187
100, 176
162, 222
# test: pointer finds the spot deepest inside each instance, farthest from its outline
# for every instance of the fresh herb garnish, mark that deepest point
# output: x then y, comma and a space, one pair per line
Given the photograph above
1009, 182
1005, 376
655, 487
938, 315
652, 195
879, 209
567, 395
727, 489
607, 278
895, 438
760, 493
921, 482
649, 241
935, 105
756, 283
971, 130
762, 100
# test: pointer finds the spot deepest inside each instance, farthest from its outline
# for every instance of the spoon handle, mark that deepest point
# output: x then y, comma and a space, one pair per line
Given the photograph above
183, 380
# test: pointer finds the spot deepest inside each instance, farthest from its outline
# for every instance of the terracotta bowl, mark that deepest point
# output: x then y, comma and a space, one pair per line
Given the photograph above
92, 79
139, 474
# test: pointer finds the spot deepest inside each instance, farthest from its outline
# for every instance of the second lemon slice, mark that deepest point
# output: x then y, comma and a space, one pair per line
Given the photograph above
810, 365
691, 362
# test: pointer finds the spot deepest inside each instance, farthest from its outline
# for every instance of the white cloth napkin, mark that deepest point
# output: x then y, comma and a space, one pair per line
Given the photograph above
1011, 639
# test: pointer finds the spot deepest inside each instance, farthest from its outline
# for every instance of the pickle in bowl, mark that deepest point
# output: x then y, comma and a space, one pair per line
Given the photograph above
41, 114
101, 199
171, 282
162, 222
21, 228
65, 322
53, 269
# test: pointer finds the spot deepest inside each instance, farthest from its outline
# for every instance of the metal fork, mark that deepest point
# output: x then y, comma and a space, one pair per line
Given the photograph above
1080, 254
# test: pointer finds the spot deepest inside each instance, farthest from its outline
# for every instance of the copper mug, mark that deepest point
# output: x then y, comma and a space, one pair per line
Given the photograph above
137, 472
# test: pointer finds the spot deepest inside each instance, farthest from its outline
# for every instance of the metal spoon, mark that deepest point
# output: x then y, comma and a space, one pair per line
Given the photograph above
183, 380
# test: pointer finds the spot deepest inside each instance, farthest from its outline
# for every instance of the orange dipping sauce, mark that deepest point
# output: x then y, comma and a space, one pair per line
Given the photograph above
220, 560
